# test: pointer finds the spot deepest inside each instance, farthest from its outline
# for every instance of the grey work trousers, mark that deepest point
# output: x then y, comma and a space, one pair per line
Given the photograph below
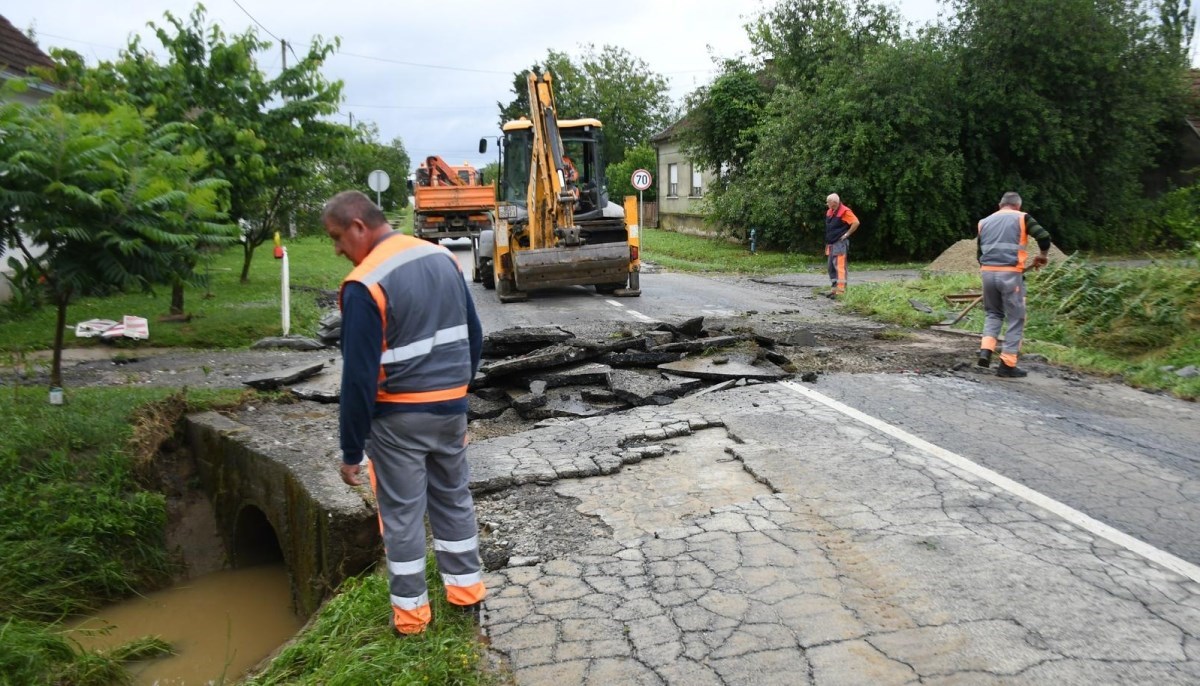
419, 465
1004, 300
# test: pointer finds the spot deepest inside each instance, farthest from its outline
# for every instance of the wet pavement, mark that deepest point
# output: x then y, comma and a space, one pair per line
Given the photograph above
855, 557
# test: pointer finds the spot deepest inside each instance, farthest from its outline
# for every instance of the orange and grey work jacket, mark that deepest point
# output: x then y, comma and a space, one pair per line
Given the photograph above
426, 356
1003, 237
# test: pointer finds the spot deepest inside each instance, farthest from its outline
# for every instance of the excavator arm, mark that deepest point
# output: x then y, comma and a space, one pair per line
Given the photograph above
553, 221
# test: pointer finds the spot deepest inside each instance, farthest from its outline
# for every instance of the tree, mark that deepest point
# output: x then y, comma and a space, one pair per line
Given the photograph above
361, 153
620, 174
719, 131
265, 137
611, 85
112, 200
1070, 110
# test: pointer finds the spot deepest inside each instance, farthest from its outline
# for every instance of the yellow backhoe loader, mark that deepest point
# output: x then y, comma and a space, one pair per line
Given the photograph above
555, 224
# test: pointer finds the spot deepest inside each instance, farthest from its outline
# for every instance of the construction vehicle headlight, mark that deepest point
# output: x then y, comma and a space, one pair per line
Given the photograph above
507, 211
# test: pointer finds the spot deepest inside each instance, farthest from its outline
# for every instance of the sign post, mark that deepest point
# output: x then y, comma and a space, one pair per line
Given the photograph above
378, 181
641, 180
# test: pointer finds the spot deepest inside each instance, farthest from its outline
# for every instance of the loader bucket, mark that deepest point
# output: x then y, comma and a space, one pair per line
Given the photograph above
572, 266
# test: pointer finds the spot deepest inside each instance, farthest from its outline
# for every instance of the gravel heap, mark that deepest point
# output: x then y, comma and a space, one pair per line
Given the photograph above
960, 257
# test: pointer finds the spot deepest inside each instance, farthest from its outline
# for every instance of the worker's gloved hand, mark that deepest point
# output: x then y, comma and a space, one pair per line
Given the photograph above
1040, 261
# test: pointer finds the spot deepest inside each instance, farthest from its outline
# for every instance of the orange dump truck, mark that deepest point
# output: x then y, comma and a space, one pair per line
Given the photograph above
450, 202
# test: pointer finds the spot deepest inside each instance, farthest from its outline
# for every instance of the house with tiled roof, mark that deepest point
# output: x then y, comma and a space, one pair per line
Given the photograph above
18, 53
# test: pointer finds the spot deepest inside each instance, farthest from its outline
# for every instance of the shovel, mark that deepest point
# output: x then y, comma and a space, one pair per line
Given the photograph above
972, 299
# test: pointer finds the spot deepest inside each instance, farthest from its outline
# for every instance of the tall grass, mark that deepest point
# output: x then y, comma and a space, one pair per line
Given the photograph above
351, 642
76, 528
1140, 323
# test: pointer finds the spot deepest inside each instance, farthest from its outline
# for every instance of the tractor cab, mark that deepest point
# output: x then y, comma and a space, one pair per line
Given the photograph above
583, 158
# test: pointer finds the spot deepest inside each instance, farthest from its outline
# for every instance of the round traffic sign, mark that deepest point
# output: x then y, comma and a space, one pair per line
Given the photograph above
641, 179
378, 181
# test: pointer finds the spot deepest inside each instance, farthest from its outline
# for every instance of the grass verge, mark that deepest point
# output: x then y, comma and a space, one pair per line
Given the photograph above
77, 528
222, 312
351, 642
688, 253
1140, 324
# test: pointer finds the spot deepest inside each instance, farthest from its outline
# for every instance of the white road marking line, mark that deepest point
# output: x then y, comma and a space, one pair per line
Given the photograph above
633, 313
1068, 513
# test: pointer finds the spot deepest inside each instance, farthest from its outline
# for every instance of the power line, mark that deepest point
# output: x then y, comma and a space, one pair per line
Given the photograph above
421, 107
260, 25
424, 66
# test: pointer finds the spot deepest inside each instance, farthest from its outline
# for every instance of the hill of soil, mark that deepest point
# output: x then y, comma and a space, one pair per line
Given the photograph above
961, 257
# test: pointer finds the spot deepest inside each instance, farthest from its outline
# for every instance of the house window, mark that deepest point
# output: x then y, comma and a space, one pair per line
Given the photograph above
673, 180
697, 184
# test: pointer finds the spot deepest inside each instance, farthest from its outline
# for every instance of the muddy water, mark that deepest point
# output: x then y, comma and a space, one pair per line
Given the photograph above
220, 624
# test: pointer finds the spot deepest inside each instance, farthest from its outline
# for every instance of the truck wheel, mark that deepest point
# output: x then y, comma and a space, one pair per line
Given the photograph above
486, 274
606, 288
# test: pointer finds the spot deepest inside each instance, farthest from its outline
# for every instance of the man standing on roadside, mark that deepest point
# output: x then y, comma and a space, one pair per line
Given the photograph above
1003, 236
411, 343
840, 224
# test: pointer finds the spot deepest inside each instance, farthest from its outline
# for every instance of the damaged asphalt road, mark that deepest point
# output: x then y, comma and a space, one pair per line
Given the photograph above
900, 517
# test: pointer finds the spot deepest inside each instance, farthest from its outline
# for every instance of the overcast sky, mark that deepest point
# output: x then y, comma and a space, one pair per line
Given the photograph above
432, 72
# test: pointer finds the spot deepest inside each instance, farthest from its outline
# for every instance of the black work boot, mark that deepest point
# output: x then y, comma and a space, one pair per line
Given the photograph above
985, 358
1011, 372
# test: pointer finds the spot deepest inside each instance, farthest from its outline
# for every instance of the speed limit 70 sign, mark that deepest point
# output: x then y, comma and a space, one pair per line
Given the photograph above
641, 179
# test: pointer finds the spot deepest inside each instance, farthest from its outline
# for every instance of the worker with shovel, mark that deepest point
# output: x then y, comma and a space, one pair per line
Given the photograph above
1003, 236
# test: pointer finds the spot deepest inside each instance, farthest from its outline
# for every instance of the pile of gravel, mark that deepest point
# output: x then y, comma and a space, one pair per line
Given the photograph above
960, 258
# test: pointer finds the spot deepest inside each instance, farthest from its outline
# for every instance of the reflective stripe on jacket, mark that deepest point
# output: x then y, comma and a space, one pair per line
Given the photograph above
426, 354
1002, 241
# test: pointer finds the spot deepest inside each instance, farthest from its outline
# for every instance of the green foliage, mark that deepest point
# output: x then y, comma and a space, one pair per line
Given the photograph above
611, 85
265, 137
921, 132
880, 134
1177, 216
1128, 313
621, 173
116, 204
719, 132
76, 530
1069, 111
361, 154
351, 642
1139, 323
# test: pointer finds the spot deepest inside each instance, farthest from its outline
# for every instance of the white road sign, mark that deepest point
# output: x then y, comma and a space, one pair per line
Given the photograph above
378, 181
641, 179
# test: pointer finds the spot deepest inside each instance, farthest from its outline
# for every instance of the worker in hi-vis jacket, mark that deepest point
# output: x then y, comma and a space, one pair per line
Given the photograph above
1003, 236
840, 225
411, 344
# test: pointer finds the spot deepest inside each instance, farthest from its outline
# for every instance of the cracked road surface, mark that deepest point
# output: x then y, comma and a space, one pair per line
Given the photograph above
861, 559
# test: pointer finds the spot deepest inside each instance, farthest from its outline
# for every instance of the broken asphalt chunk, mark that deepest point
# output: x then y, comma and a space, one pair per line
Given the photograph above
580, 374
553, 356
699, 344
521, 340
704, 368
270, 381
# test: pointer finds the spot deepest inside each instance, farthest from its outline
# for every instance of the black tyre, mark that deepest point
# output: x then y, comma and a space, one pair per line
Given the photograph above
487, 275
